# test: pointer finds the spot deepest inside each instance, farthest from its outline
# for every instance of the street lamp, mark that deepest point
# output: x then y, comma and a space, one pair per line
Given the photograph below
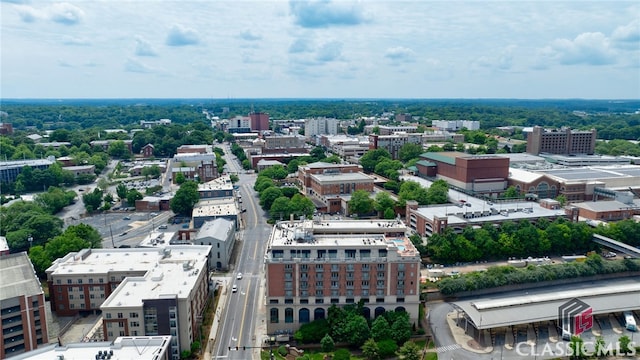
30, 240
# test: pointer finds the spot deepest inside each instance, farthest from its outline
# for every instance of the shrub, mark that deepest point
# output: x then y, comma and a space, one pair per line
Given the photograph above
342, 354
282, 350
387, 348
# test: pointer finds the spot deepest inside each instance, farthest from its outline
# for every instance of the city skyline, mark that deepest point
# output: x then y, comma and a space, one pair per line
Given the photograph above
320, 49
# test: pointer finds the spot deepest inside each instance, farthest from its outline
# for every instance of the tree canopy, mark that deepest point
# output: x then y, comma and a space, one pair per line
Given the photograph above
185, 199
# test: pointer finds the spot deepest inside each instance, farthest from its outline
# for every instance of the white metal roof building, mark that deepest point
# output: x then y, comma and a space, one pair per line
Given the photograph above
538, 305
139, 348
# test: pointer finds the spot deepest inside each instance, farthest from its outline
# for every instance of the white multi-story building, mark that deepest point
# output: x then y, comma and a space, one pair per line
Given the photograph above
320, 126
454, 125
312, 265
140, 291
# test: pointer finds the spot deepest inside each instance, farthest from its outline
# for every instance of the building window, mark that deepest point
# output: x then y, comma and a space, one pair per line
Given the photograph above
350, 254
333, 254
382, 253
273, 315
319, 301
273, 301
335, 301
70, 289
79, 281
365, 253
108, 316
68, 281
71, 297
288, 315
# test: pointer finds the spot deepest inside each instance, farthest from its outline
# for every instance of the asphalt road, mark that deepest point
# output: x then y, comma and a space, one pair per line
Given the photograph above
241, 315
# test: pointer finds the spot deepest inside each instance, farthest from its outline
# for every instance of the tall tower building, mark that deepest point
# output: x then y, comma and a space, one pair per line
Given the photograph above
259, 121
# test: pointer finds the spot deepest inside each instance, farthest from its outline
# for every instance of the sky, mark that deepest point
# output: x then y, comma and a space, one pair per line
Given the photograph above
319, 49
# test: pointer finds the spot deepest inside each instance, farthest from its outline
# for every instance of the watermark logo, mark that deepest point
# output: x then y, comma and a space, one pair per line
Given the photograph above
574, 318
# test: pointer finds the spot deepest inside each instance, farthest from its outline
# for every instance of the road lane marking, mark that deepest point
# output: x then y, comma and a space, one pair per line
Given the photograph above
244, 313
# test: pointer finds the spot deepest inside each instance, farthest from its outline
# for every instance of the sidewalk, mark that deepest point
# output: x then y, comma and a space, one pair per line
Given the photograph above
464, 340
215, 326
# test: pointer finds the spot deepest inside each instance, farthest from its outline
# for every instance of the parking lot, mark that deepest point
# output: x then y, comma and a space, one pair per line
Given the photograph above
128, 228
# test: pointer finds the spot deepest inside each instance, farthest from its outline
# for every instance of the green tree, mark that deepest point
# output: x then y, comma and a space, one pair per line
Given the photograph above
121, 191
39, 259
410, 151
624, 344
85, 232
118, 149
151, 172
380, 329
185, 199
132, 196
401, 328
389, 214
327, 343
371, 158
234, 178
92, 200
600, 347
383, 201
103, 184
280, 209
511, 192
268, 196
180, 178
55, 199
361, 202
577, 348
438, 192
357, 330
409, 351
370, 350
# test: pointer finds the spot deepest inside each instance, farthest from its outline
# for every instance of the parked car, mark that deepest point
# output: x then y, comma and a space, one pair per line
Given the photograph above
126, 218
162, 227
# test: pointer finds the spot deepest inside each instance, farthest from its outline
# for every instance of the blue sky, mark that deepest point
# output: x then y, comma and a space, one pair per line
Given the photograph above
320, 49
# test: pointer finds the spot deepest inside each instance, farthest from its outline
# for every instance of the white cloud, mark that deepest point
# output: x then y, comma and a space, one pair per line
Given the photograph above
325, 13
144, 48
249, 36
399, 54
330, 51
76, 41
502, 61
301, 46
627, 36
181, 36
28, 14
591, 48
134, 65
65, 13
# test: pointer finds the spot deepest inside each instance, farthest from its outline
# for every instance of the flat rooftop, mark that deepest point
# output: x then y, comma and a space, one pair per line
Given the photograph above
464, 205
215, 207
341, 234
221, 183
103, 261
138, 347
594, 173
18, 276
341, 177
535, 305
170, 278
606, 205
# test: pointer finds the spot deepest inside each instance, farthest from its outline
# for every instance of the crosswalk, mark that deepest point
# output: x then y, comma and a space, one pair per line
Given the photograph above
443, 349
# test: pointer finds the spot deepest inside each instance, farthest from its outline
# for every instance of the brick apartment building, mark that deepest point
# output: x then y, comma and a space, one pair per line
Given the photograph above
330, 185
561, 141
24, 324
312, 265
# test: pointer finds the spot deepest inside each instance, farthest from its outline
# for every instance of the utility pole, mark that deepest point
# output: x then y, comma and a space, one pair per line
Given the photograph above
111, 232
